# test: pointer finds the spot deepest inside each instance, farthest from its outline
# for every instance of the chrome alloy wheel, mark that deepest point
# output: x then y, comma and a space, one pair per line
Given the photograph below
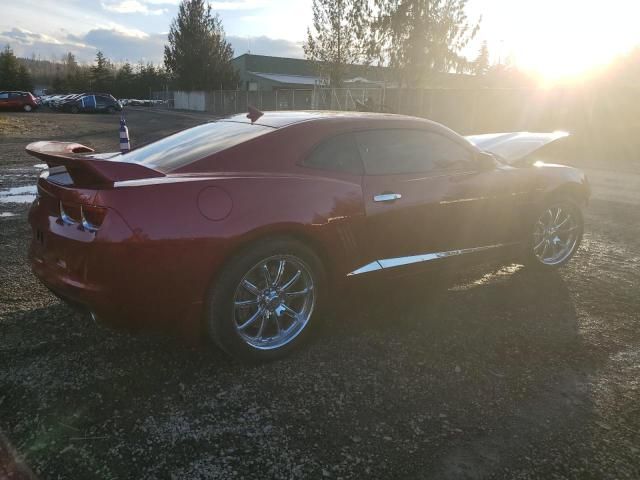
274, 302
555, 235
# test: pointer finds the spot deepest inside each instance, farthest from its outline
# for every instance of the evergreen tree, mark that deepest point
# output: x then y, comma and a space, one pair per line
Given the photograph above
101, 77
198, 55
419, 37
481, 63
13, 75
57, 86
337, 37
150, 79
69, 63
24, 79
79, 81
124, 81
75, 77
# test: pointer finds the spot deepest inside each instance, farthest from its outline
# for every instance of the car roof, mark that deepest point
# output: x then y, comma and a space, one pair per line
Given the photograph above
342, 121
283, 118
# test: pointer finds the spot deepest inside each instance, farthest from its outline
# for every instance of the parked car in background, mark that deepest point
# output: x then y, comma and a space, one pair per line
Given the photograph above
61, 99
241, 228
47, 99
135, 102
89, 102
15, 100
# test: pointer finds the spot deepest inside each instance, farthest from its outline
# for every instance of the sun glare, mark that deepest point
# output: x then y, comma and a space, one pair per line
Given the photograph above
564, 62
563, 41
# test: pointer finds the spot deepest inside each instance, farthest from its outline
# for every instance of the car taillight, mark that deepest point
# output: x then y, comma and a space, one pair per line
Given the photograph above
89, 217
92, 216
70, 213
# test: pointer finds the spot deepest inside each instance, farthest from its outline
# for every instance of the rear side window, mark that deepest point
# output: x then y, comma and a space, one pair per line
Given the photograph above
387, 152
339, 154
193, 144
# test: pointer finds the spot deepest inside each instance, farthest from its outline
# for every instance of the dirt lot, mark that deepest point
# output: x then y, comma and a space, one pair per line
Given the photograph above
503, 374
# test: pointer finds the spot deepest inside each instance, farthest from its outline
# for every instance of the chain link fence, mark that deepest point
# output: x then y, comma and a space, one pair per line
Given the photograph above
605, 122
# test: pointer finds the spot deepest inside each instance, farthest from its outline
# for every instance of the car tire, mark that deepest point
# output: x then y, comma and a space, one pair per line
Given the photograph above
27, 108
283, 314
110, 110
555, 235
74, 109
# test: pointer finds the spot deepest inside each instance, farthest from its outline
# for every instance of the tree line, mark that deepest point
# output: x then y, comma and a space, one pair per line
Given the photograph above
68, 76
197, 57
414, 38
417, 40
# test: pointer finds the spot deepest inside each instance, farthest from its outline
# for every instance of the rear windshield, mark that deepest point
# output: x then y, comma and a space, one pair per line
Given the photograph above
193, 144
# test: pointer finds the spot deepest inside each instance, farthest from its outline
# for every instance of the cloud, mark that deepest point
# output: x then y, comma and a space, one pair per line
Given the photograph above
26, 43
121, 44
263, 45
132, 6
26, 37
118, 44
123, 31
237, 4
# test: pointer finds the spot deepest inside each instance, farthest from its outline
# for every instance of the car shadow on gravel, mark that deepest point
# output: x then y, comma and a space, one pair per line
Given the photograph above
455, 379
501, 349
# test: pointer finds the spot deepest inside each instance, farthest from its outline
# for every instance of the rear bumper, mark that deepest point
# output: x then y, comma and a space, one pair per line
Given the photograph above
124, 306
54, 278
122, 282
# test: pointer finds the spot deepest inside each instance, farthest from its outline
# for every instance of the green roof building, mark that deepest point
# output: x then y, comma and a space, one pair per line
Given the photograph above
266, 73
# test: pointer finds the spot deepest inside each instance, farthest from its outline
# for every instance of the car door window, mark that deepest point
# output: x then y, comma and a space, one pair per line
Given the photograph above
88, 101
101, 102
339, 153
399, 151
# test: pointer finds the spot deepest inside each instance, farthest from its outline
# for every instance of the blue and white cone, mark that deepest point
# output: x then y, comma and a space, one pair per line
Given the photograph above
125, 145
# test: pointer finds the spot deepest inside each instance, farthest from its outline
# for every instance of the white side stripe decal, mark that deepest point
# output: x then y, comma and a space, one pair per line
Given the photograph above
425, 257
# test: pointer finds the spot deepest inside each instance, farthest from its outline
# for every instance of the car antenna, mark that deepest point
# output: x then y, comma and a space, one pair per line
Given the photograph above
254, 114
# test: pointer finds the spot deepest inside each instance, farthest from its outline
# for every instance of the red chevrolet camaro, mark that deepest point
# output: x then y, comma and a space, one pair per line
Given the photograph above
241, 228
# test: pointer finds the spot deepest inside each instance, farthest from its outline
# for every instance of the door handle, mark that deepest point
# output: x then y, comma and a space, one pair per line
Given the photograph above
387, 197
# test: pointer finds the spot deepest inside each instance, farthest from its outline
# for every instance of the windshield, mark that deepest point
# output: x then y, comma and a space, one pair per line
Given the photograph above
188, 146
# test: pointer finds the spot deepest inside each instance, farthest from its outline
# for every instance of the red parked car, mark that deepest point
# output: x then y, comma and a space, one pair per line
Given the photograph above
18, 101
241, 229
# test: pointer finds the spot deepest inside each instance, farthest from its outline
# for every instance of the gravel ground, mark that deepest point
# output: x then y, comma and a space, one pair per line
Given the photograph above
498, 374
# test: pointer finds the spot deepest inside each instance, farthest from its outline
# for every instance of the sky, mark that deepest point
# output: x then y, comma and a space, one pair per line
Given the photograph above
553, 38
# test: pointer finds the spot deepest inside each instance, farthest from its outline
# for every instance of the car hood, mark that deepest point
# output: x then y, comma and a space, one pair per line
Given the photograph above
514, 146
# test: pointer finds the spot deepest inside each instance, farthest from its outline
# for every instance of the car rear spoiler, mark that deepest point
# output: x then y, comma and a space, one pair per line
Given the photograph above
85, 170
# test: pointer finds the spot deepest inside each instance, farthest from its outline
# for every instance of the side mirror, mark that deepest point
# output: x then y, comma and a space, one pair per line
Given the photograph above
485, 161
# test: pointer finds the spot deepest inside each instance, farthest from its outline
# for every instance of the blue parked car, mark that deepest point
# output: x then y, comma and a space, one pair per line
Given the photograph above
90, 102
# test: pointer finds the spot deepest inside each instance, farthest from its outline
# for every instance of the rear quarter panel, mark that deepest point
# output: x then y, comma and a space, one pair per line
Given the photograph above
176, 248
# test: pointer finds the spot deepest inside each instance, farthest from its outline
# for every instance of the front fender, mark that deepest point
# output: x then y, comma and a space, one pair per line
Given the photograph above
561, 179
